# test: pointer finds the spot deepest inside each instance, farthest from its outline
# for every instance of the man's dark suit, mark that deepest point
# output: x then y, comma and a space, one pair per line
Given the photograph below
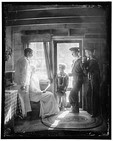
77, 73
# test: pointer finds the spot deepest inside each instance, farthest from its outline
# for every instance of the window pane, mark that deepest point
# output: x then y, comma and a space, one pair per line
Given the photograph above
38, 59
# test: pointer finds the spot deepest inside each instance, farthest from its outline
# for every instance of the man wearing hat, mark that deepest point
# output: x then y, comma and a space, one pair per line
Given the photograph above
94, 82
77, 73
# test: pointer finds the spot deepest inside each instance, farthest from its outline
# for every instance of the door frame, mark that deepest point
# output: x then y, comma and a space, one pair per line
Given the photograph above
63, 39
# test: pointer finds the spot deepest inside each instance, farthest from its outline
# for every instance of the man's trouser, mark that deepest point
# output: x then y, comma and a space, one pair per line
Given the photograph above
73, 97
25, 100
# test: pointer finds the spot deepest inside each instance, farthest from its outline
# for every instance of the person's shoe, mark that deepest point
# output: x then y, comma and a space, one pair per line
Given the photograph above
60, 108
29, 116
63, 108
75, 109
68, 105
94, 115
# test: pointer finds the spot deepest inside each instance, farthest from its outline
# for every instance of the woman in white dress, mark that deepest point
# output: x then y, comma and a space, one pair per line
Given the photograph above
48, 104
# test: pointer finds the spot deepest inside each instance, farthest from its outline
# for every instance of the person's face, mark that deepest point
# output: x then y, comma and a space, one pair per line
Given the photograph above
61, 69
87, 53
30, 54
74, 54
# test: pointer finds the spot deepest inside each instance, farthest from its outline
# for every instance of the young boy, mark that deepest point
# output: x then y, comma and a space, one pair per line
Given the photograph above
62, 84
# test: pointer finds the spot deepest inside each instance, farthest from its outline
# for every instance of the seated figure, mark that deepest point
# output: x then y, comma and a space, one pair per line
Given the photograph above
48, 104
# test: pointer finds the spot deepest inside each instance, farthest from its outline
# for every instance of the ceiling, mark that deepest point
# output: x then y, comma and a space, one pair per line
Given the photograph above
89, 19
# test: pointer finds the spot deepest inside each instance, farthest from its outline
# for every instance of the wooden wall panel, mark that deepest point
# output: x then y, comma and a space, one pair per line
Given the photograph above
56, 20
18, 46
8, 44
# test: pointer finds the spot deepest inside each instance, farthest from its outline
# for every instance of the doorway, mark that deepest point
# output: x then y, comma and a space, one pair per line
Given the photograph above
63, 55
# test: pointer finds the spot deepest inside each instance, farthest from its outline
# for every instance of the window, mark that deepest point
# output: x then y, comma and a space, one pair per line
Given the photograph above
38, 59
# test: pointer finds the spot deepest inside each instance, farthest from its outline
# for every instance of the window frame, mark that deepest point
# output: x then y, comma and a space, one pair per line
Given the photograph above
46, 79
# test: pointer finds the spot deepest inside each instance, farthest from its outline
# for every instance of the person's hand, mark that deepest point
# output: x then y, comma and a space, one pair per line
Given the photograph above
84, 59
69, 74
23, 88
44, 91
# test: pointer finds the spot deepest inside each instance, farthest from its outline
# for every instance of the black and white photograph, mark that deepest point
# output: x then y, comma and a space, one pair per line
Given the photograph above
56, 70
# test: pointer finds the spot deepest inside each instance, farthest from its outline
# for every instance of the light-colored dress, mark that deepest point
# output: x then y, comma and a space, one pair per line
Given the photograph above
22, 78
48, 104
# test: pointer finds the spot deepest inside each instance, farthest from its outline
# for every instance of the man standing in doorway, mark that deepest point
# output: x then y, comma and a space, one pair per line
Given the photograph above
22, 78
77, 73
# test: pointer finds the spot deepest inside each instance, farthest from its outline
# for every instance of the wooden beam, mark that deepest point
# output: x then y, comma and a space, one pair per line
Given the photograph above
35, 38
80, 31
95, 36
63, 32
88, 26
57, 20
47, 13
52, 6
54, 12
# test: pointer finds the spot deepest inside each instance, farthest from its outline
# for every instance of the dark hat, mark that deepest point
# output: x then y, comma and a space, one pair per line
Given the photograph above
90, 46
76, 49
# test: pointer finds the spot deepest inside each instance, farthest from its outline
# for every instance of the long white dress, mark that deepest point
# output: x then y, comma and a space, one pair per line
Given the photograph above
48, 104
22, 78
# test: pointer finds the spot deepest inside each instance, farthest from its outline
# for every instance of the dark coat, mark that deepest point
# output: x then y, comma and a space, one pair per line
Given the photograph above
93, 98
77, 73
62, 83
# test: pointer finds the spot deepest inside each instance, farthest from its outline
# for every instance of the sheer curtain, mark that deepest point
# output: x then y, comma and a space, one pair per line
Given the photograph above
49, 60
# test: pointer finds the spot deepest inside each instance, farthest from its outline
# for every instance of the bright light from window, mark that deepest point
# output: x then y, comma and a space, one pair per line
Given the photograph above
56, 122
63, 114
64, 54
8, 116
38, 59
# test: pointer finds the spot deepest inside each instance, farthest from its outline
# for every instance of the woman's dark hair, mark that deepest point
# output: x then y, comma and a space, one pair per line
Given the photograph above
27, 50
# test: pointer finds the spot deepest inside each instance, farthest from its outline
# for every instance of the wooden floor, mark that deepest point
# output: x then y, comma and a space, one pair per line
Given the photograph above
69, 124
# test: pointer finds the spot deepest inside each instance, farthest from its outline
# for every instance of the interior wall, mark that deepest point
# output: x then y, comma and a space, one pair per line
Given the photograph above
13, 40
18, 46
8, 63
100, 52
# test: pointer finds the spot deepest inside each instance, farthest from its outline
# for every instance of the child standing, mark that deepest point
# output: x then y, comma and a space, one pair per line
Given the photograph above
62, 84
